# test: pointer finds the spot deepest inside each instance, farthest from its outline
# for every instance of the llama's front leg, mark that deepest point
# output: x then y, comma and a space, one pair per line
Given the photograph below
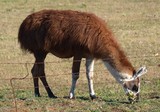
89, 73
75, 75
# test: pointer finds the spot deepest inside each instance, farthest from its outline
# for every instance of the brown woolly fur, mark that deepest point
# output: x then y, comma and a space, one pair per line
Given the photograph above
71, 33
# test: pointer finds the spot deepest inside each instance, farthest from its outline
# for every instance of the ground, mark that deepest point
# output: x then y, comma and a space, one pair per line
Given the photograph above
135, 24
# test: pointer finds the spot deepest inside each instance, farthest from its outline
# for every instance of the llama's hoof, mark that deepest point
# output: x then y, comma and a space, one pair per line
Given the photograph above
51, 95
71, 96
37, 95
93, 97
68, 97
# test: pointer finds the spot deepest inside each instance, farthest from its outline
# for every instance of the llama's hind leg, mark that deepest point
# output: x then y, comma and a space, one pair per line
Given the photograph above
35, 81
45, 83
75, 75
38, 72
89, 73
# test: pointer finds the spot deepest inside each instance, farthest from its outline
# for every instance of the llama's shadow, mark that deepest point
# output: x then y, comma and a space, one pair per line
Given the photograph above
79, 97
108, 101
99, 99
155, 97
112, 101
83, 98
116, 102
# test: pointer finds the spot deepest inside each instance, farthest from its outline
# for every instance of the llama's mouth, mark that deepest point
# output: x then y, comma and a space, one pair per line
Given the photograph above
132, 96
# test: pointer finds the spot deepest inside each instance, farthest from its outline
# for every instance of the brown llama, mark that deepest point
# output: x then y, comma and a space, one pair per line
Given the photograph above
75, 34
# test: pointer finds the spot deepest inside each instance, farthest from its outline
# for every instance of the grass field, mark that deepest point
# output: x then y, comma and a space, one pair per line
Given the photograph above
135, 23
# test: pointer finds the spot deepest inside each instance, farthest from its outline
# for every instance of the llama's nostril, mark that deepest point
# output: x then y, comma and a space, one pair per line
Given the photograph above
135, 88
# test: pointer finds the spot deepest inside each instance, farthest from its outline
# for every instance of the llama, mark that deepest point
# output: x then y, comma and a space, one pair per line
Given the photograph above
75, 34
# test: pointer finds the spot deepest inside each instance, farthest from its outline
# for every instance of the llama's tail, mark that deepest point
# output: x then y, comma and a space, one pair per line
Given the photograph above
21, 37
27, 36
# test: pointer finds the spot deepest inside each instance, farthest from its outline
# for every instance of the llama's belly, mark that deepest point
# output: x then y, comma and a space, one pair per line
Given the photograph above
62, 54
70, 52
67, 50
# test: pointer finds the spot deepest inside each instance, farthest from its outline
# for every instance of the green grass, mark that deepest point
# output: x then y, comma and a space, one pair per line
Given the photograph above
136, 25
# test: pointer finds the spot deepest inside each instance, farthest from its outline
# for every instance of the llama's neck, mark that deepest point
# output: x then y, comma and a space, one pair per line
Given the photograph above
118, 75
118, 65
108, 49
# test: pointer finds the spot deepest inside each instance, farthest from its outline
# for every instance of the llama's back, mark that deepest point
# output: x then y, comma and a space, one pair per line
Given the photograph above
64, 32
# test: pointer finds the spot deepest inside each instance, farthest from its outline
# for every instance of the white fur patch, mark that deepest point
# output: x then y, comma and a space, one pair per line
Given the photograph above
117, 75
74, 80
89, 73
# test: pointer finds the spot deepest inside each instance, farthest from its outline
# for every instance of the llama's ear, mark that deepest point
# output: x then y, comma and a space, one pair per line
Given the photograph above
140, 72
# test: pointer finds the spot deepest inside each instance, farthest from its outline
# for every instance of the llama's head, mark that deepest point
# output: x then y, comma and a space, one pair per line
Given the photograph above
132, 85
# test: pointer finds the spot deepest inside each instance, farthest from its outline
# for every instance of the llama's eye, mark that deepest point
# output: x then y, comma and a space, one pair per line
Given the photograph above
135, 88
